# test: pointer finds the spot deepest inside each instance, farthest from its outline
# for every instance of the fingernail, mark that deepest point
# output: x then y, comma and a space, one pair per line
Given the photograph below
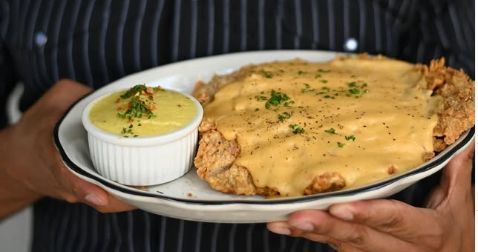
342, 212
304, 226
280, 230
95, 199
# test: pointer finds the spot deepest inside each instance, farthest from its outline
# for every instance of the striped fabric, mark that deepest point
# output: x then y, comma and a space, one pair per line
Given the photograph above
98, 41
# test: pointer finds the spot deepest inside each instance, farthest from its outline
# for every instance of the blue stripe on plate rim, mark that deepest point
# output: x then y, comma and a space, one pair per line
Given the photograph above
442, 157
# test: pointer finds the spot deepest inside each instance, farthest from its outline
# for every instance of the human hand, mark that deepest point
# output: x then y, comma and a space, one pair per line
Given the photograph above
31, 164
388, 225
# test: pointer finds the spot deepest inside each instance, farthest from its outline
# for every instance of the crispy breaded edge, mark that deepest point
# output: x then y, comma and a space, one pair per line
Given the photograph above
457, 113
215, 164
205, 92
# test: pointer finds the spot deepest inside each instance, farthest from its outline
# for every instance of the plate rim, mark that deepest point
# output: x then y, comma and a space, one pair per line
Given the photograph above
443, 158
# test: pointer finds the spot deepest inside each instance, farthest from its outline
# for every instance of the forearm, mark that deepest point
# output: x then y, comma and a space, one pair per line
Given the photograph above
30, 166
14, 196
10, 204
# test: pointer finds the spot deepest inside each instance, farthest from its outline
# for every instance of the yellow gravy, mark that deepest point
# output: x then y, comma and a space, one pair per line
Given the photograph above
363, 118
159, 112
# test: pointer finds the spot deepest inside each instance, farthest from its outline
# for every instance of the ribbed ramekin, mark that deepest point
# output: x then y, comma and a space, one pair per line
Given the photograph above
142, 161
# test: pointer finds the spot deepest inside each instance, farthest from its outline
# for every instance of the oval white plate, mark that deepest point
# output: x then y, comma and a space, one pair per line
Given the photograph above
189, 197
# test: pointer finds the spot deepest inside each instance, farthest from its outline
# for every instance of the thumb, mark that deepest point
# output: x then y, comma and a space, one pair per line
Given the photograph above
388, 216
95, 196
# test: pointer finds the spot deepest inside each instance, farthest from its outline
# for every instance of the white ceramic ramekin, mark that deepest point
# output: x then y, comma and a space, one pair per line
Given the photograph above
142, 161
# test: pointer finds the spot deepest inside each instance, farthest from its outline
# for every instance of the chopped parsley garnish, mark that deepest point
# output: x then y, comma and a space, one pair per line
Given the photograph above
320, 70
300, 72
127, 131
307, 88
296, 129
318, 76
330, 131
266, 74
136, 109
133, 91
356, 88
350, 138
140, 104
276, 99
284, 115
357, 84
354, 91
340, 145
